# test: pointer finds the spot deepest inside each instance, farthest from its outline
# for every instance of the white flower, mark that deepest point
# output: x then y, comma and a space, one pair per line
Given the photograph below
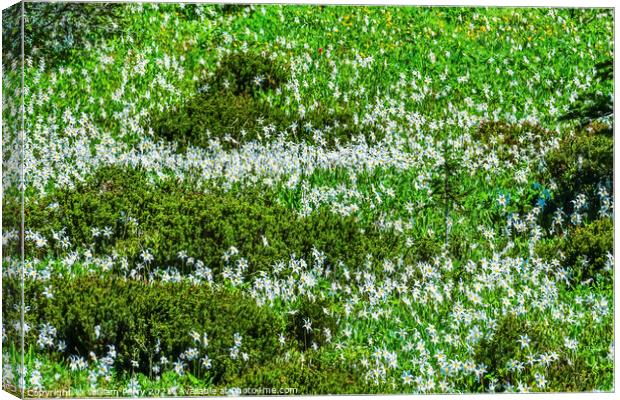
307, 325
570, 344
179, 367
524, 341
206, 362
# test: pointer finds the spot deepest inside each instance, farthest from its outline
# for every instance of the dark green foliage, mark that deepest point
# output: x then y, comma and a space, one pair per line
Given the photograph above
231, 107
587, 250
583, 251
11, 36
318, 314
337, 126
53, 30
11, 308
314, 374
229, 8
233, 119
595, 106
577, 375
589, 367
552, 248
201, 11
504, 137
135, 316
495, 352
447, 186
425, 248
173, 217
459, 246
240, 70
11, 221
228, 105
571, 372
582, 163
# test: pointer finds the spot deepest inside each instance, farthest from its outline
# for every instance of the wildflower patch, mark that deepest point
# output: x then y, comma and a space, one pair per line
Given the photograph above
280, 199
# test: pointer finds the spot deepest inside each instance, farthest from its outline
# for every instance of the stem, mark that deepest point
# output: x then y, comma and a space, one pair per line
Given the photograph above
447, 196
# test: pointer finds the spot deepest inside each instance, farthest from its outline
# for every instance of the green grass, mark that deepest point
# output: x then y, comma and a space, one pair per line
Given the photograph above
402, 202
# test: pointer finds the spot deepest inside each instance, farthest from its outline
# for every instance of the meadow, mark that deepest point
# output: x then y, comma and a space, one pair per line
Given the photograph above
219, 199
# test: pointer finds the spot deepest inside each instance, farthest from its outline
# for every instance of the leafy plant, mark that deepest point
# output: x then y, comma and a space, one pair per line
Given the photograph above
447, 185
505, 345
228, 106
312, 323
231, 109
307, 373
53, 30
504, 137
171, 217
247, 74
595, 106
588, 250
582, 163
146, 321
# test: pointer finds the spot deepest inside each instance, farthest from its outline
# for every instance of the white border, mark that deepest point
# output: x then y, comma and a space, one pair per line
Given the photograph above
452, 3
483, 3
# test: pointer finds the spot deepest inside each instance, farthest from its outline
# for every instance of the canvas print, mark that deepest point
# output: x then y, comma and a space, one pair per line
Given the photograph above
247, 199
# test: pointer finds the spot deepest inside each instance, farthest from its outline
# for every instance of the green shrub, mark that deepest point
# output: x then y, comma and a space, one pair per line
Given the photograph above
495, 352
228, 105
308, 373
573, 371
198, 11
587, 249
53, 30
312, 311
583, 251
229, 9
137, 317
11, 221
237, 74
238, 119
337, 126
11, 313
582, 163
588, 367
173, 217
506, 135
233, 119
552, 248
11, 36
425, 248
459, 246
595, 106
576, 375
